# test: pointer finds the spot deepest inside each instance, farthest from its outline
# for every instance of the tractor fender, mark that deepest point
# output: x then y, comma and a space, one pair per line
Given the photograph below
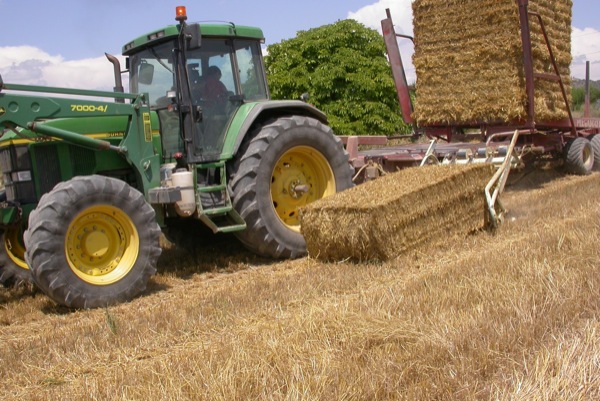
256, 113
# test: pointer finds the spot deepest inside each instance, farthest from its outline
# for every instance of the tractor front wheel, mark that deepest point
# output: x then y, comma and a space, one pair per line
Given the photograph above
92, 241
13, 269
283, 165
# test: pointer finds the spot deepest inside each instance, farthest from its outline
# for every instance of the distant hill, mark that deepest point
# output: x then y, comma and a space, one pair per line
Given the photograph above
580, 83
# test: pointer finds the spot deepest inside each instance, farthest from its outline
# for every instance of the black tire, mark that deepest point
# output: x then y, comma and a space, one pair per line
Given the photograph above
14, 271
579, 156
92, 242
595, 141
318, 166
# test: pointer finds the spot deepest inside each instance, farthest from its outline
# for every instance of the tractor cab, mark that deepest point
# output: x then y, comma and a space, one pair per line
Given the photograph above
197, 85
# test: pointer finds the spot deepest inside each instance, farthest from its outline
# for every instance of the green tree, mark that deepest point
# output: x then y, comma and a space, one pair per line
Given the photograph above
578, 96
343, 66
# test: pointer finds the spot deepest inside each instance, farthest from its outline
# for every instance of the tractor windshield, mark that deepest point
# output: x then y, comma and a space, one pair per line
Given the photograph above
152, 72
222, 74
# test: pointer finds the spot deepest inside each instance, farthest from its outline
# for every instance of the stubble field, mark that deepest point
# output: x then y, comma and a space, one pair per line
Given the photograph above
513, 315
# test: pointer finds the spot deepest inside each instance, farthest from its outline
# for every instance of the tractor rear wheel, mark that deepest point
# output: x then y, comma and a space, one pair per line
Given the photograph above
579, 156
283, 165
92, 242
13, 269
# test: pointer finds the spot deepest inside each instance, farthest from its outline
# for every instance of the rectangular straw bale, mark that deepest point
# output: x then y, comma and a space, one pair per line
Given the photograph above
381, 219
469, 60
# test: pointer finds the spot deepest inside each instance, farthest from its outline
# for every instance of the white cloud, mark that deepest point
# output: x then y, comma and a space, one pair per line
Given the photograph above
32, 66
585, 46
372, 15
401, 11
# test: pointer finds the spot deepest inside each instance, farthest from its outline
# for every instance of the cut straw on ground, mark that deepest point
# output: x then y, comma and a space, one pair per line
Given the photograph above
510, 316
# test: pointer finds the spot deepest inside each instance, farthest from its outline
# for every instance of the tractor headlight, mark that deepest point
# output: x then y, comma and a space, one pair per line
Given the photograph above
19, 176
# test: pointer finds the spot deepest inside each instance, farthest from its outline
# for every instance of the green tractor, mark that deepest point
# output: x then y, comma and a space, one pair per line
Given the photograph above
89, 183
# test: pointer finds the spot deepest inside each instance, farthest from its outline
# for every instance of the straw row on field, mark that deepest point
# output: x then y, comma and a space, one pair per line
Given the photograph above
469, 60
383, 218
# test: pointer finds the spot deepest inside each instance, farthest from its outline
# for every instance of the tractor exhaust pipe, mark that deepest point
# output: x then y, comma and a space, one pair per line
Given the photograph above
118, 81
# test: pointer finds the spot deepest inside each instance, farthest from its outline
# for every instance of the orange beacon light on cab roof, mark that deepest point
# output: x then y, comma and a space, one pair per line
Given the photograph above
180, 13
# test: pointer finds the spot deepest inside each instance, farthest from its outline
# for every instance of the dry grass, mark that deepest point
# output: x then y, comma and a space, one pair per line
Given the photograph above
510, 316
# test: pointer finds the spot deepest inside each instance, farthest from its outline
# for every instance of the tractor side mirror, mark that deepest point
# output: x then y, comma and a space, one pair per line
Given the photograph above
146, 73
192, 36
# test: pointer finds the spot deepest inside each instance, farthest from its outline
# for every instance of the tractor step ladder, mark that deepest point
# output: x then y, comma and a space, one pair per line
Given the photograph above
222, 218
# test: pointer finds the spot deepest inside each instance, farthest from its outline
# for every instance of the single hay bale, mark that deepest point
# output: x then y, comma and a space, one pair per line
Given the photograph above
383, 218
469, 61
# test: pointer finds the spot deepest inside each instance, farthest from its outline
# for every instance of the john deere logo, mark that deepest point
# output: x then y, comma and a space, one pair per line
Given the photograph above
2, 111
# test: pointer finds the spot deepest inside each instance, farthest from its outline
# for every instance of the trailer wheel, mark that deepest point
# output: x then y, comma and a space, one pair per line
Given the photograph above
595, 141
92, 242
283, 165
13, 269
579, 156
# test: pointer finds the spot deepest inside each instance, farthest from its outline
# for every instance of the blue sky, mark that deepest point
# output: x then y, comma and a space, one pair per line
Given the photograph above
62, 42
86, 28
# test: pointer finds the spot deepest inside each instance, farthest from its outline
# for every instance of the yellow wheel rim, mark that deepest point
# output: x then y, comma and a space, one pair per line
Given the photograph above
13, 243
102, 245
588, 159
301, 175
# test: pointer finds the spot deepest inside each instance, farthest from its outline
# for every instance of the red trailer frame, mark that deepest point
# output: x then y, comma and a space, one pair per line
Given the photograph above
536, 138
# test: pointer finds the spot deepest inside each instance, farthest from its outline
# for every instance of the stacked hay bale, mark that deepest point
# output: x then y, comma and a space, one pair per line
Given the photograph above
383, 218
469, 60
